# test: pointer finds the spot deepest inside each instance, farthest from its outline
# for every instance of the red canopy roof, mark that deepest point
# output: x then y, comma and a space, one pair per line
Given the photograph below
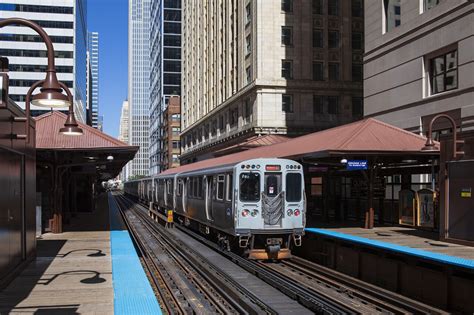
252, 142
48, 136
368, 136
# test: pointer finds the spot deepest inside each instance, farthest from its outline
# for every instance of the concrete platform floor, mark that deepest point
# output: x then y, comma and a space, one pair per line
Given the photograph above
72, 274
410, 237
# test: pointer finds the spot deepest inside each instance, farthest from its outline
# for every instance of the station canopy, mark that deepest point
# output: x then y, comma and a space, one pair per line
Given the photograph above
94, 153
364, 138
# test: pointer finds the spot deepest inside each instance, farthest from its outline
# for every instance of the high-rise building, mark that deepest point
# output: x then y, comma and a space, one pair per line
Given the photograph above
93, 49
65, 22
418, 63
123, 135
165, 75
139, 83
124, 122
267, 67
171, 134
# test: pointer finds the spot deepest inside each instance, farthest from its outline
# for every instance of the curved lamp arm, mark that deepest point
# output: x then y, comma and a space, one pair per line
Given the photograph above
430, 145
40, 31
27, 108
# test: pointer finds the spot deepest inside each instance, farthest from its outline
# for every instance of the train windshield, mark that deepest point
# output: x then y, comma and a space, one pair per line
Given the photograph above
250, 186
293, 187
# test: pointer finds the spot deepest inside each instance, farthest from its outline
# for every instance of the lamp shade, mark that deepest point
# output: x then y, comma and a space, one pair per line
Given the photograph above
50, 99
51, 95
71, 128
71, 131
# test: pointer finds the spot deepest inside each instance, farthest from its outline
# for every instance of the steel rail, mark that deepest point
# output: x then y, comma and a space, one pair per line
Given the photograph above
167, 298
371, 293
218, 285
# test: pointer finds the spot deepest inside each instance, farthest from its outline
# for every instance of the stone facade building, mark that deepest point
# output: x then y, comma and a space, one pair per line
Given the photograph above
267, 67
419, 62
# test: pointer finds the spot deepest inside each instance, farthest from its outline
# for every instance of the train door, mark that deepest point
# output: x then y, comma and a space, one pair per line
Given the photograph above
185, 194
209, 196
273, 203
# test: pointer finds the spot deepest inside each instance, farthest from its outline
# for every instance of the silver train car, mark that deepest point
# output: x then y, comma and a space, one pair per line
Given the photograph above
257, 206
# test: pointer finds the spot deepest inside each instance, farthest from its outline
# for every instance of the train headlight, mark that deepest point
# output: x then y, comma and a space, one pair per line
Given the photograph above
254, 213
297, 212
245, 213
289, 212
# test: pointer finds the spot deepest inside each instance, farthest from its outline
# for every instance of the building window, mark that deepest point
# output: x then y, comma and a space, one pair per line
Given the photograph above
333, 39
221, 123
318, 105
357, 41
233, 115
287, 103
428, 4
287, 69
317, 6
248, 13
357, 72
357, 107
318, 38
248, 74
247, 111
287, 6
357, 9
333, 71
286, 36
392, 14
333, 105
318, 71
444, 72
333, 7
248, 45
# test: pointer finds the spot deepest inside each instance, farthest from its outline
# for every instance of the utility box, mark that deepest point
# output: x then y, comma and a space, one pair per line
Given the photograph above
460, 208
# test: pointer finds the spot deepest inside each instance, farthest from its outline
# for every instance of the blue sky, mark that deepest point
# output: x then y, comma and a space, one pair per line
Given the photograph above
110, 19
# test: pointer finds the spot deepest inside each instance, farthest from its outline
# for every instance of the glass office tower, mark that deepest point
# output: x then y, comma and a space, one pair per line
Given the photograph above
93, 47
66, 23
165, 75
139, 83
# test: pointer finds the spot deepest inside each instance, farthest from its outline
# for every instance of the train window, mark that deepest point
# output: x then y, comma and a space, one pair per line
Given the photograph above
168, 186
220, 187
293, 187
199, 191
229, 187
272, 188
250, 186
180, 187
195, 188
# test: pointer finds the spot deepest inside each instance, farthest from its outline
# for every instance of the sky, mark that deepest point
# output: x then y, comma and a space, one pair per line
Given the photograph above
110, 19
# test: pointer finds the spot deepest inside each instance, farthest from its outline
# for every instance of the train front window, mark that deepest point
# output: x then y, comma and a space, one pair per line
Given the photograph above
293, 187
250, 187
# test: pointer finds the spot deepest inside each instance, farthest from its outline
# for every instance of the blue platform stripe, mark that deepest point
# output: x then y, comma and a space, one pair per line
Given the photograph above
440, 258
132, 290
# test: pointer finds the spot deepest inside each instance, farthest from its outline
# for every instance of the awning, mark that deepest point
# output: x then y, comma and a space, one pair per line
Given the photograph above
93, 153
368, 137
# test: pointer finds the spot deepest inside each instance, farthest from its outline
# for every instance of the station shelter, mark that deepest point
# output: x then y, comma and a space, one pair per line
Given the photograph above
361, 173
70, 169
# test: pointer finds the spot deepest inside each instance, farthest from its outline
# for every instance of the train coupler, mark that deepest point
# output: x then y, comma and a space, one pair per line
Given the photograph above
244, 241
297, 239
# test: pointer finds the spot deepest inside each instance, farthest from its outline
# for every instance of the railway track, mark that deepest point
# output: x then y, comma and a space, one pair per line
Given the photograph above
185, 284
320, 289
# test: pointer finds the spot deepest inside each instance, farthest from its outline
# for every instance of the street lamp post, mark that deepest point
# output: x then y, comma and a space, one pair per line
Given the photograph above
430, 145
50, 95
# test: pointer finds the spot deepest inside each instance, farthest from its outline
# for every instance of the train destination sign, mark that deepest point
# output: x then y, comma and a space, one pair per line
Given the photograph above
354, 165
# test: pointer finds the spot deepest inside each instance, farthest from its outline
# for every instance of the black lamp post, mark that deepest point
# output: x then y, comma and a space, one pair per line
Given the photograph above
50, 95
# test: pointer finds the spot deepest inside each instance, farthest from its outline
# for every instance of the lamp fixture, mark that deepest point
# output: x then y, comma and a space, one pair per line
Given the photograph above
343, 161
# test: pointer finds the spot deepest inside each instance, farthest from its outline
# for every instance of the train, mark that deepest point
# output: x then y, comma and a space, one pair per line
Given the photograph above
255, 206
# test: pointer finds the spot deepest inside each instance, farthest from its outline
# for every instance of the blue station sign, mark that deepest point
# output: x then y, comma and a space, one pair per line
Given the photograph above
354, 165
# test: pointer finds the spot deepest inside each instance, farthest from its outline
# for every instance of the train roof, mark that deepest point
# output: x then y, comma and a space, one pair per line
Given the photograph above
367, 136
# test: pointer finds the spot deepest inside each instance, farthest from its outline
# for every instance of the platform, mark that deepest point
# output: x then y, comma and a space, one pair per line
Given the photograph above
404, 240
90, 269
